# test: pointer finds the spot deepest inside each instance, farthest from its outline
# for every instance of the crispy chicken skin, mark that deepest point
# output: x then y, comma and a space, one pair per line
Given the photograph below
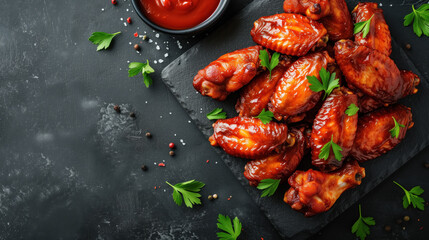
373, 137
248, 137
331, 120
314, 192
278, 165
228, 73
255, 96
314, 9
292, 95
373, 72
339, 22
378, 37
290, 34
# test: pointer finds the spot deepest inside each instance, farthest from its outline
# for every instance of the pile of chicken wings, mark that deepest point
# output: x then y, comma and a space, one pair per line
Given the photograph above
311, 35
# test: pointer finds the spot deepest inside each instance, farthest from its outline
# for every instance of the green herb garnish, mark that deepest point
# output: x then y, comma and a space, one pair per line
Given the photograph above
269, 186
395, 130
231, 230
363, 27
144, 68
189, 191
328, 84
216, 114
265, 60
265, 116
326, 149
102, 39
420, 20
412, 197
352, 109
360, 227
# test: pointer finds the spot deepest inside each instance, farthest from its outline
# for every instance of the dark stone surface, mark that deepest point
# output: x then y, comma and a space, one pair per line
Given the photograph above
70, 165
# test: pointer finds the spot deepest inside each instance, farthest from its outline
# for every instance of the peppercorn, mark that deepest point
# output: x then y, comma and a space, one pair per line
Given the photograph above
408, 46
399, 221
148, 135
387, 228
114, 2
406, 218
132, 114
144, 37
215, 196
144, 167
137, 47
117, 108
171, 153
171, 145
426, 164
128, 20
210, 197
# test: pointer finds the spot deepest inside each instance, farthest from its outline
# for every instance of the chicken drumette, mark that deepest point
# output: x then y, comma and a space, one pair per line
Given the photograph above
314, 9
339, 22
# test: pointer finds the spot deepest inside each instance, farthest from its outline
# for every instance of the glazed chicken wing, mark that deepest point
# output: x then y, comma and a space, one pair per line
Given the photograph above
332, 122
378, 37
373, 72
293, 95
369, 104
248, 137
279, 165
314, 9
255, 96
373, 136
228, 73
313, 192
339, 22
290, 34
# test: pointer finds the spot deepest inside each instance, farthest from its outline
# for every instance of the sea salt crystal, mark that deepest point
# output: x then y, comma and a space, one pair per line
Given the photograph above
166, 55
157, 35
158, 48
160, 61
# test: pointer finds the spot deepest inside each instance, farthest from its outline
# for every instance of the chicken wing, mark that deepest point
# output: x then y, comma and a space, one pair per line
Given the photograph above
228, 73
293, 95
248, 137
314, 9
255, 96
339, 22
369, 104
373, 137
378, 37
290, 34
332, 122
373, 73
279, 165
314, 192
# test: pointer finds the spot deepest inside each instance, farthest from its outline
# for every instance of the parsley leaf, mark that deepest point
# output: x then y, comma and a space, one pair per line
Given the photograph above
360, 227
102, 39
326, 149
412, 197
189, 191
363, 26
216, 114
230, 232
265, 116
352, 109
420, 20
265, 60
269, 186
144, 68
395, 130
328, 84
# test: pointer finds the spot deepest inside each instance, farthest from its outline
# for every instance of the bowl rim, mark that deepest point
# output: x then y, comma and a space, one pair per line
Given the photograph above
200, 27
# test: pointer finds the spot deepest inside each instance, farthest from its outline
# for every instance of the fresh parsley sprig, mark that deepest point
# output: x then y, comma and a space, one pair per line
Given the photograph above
360, 227
189, 191
328, 84
352, 109
363, 27
269, 186
326, 150
102, 39
395, 130
420, 20
216, 114
412, 197
144, 68
265, 116
231, 231
265, 60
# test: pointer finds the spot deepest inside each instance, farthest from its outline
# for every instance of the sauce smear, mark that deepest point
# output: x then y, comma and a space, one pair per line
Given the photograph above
178, 14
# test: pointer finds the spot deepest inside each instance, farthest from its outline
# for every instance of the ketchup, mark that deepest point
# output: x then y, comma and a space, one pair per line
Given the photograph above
179, 14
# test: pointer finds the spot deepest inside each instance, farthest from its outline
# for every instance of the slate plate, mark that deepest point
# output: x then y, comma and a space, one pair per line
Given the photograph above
234, 34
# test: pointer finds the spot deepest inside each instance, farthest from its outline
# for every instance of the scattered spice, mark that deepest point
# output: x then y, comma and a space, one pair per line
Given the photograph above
154, 187
171, 153
114, 2
210, 197
144, 37
117, 108
406, 218
136, 47
132, 114
403, 228
161, 165
207, 161
171, 145
426, 164
215, 196
387, 228
136, 34
408, 46
128, 20
148, 135
144, 167
398, 221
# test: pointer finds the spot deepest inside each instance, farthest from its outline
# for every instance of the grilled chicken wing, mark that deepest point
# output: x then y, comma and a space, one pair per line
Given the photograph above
373, 73
339, 22
378, 37
293, 95
313, 192
248, 137
369, 104
279, 165
373, 137
314, 9
332, 122
255, 96
290, 34
228, 73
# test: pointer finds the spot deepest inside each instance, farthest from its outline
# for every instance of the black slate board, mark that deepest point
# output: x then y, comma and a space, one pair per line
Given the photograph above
235, 35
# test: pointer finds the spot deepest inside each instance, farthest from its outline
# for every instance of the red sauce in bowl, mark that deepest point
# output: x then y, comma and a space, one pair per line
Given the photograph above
178, 14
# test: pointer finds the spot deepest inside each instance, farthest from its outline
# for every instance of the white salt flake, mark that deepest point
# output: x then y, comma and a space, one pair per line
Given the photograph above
166, 55
157, 35
160, 60
158, 48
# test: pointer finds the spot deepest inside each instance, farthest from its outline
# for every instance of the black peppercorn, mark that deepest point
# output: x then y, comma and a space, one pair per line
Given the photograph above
136, 47
148, 135
171, 153
426, 164
144, 167
408, 46
406, 218
398, 221
117, 108
387, 228
132, 114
